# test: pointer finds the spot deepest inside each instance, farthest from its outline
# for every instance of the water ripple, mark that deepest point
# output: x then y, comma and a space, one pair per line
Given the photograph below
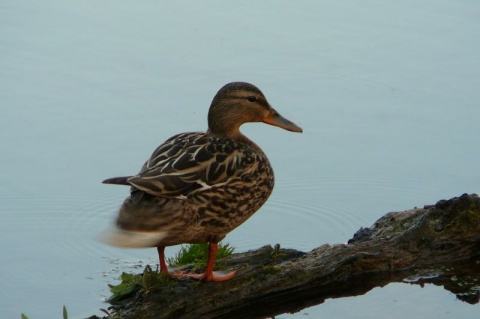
307, 211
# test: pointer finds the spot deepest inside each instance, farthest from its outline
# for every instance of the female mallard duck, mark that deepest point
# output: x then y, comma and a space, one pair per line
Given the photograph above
197, 187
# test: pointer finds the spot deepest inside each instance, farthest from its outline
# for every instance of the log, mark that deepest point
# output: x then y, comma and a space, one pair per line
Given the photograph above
429, 244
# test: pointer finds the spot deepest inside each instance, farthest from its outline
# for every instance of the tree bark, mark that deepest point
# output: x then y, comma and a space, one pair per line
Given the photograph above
429, 244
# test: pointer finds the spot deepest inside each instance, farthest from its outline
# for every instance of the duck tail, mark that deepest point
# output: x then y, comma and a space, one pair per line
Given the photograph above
132, 239
122, 180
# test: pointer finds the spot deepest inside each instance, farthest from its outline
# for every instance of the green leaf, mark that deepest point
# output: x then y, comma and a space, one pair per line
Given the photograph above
24, 317
65, 314
129, 278
130, 283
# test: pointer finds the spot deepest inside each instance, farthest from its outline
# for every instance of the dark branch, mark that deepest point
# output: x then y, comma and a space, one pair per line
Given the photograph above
413, 246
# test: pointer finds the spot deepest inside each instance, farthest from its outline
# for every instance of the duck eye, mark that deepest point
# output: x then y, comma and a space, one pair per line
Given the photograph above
252, 98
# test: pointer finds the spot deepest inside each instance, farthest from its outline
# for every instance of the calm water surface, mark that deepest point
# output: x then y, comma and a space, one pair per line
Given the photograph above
387, 95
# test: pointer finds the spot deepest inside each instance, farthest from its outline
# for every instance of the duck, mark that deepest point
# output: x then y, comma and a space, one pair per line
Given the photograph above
197, 187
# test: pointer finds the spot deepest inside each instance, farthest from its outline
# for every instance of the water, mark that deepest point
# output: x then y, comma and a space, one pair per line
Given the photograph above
387, 95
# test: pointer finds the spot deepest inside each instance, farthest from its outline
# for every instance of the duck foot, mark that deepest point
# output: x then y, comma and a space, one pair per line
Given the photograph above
206, 276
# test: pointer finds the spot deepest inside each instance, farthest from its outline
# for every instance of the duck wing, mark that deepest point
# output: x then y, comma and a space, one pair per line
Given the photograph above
193, 161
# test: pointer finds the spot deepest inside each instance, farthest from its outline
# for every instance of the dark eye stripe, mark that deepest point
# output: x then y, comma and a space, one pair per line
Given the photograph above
263, 103
259, 99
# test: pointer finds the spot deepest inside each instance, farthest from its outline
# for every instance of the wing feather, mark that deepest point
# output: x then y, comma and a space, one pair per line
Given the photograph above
191, 161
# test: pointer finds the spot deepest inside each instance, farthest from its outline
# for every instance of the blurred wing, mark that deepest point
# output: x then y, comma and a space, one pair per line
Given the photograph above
192, 161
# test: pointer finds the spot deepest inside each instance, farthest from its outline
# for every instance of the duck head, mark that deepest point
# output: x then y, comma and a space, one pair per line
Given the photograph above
240, 102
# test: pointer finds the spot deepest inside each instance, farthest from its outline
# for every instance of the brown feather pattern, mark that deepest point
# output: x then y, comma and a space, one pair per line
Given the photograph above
197, 188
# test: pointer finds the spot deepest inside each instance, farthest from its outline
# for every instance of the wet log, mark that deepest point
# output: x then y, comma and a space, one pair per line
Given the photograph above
429, 244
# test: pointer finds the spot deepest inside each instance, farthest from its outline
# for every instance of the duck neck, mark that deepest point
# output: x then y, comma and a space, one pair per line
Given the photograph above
236, 135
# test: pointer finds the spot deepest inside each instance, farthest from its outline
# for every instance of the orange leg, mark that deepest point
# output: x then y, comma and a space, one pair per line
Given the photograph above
208, 275
161, 258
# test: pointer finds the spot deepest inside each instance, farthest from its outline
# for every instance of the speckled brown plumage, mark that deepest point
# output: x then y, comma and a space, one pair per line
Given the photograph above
196, 187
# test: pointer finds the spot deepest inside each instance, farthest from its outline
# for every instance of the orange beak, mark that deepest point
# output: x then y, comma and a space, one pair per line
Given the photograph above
275, 119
